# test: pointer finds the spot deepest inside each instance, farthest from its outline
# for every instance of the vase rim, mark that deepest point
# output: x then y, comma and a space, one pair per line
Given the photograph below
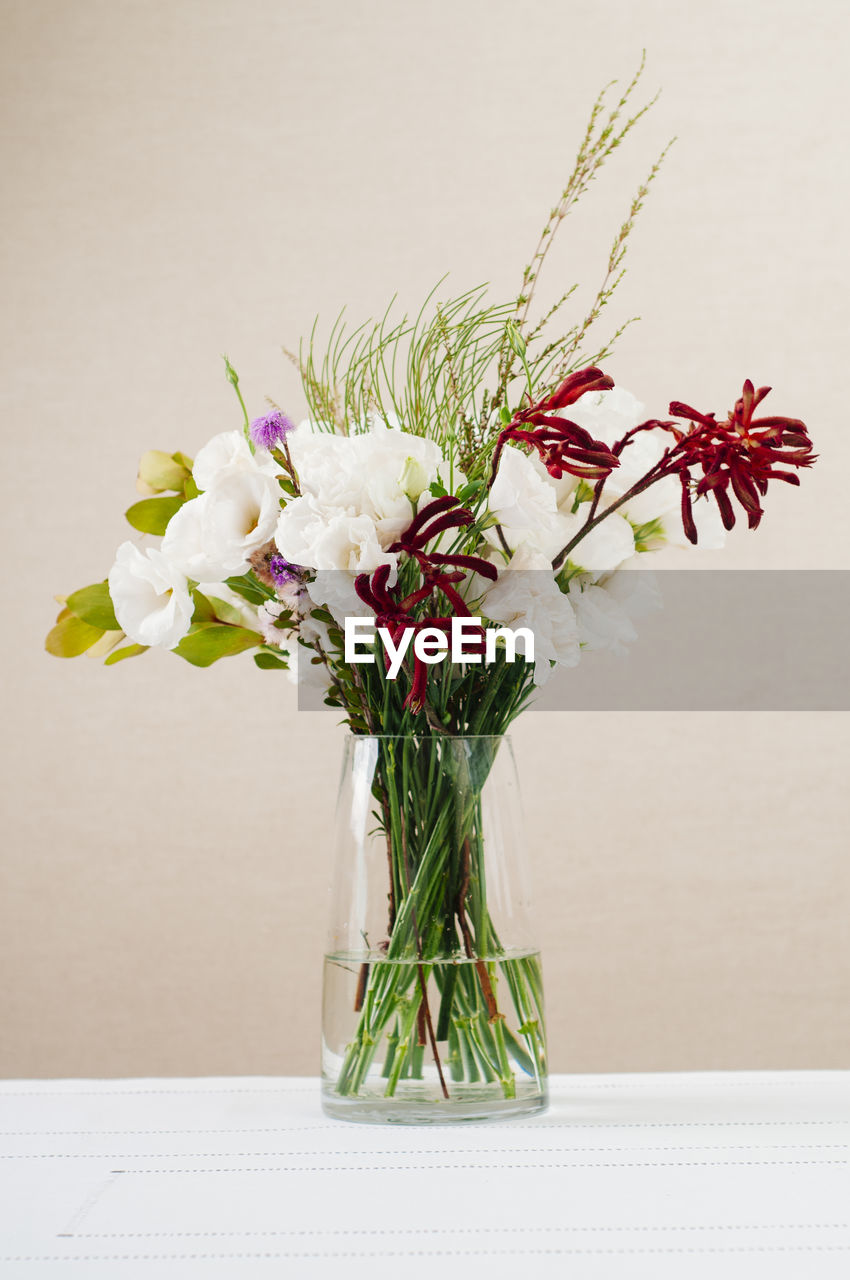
428, 737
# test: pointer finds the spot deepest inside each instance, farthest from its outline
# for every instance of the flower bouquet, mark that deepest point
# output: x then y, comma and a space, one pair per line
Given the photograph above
455, 519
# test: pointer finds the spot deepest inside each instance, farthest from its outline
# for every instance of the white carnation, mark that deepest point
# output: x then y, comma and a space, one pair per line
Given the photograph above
308, 534
526, 595
378, 474
523, 502
150, 596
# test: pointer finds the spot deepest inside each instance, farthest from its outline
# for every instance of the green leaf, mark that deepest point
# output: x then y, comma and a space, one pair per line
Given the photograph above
267, 662
94, 606
190, 489
71, 637
249, 587
160, 471
204, 612
437, 490
183, 459
468, 491
129, 651
322, 615
153, 514
105, 644
226, 612
287, 486
206, 642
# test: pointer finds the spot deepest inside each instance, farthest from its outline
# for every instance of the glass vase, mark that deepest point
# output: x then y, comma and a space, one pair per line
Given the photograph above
433, 998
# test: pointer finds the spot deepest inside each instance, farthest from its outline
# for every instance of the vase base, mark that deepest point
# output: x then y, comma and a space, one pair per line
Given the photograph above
410, 1109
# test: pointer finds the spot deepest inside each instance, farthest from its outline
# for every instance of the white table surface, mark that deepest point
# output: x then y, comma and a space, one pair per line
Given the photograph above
743, 1174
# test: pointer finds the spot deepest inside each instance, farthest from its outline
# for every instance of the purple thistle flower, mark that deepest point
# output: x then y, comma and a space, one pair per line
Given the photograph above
270, 430
282, 571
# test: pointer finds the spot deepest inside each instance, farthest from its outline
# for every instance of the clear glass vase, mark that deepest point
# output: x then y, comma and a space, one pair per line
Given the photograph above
433, 997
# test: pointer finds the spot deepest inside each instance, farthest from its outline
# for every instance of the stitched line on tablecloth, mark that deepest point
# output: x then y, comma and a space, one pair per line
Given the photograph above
423, 1253
312, 1088
138, 1093
447, 1231
321, 1128
426, 1151
417, 1168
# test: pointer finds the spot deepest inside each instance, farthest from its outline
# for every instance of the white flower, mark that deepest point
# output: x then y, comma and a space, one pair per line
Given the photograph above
523, 502
228, 452
311, 535
603, 549
334, 590
602, 622
185, 542
607, 415
377, 474
606, 611
241, 516
710, 531
526, 595
150, 596
213, 536
267, 614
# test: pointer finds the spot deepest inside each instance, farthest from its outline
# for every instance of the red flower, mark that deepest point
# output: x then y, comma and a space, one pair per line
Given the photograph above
440, 572
561, 444
741, 454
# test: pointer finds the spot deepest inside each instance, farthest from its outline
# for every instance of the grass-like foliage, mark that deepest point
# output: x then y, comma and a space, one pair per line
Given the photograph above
449, 372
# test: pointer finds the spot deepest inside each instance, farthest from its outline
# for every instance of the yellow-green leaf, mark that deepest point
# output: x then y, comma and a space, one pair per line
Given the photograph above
159, 471
206, 642
204, 612
105, 644
226, 612
267, 662
71, 637
93, 605
153, 514
129, 651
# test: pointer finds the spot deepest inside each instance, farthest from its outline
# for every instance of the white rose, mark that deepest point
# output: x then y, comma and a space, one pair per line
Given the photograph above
213, 536
150, 596
241, 516
185, 542
227, 452
526, 595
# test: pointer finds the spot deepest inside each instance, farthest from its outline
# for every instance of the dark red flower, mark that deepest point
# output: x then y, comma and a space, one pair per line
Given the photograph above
737, 457
440, 572
563, 446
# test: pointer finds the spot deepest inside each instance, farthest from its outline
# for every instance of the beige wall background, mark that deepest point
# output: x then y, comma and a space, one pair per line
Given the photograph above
187, 177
